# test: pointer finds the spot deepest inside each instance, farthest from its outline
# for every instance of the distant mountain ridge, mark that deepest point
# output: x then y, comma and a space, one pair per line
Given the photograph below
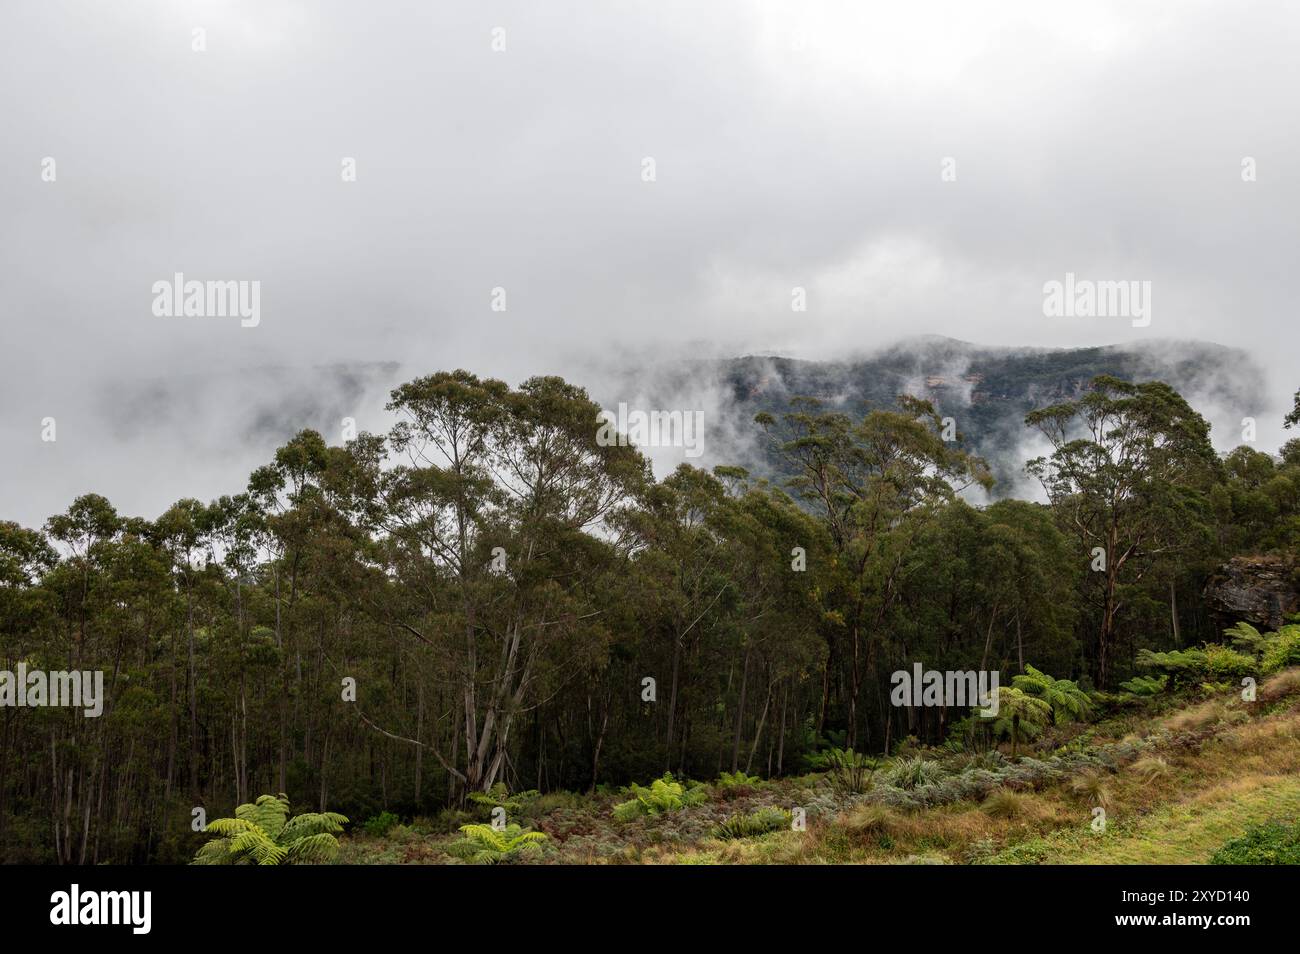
987, 390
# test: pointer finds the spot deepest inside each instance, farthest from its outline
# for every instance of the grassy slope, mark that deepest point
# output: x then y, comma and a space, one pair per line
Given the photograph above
1214, 768
1247, 775
1187, 832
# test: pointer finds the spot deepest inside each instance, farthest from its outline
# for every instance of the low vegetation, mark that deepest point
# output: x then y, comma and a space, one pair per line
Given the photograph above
1185, 780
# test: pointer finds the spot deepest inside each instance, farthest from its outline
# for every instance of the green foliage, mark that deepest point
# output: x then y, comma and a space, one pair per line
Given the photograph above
1068, 702
850, 772
485, 845
1223, 663
1276, 843
912, 773
1211, 663
379, 825
1245, 637
1145, 685
1281, 649
1020, 716
735, 779
663, 795
756, 823
498, 796
1130, 469
263, 833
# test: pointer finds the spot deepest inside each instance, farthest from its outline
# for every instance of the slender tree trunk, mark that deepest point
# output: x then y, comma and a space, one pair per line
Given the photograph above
758, 732
672, 703
1173, 614
740, 713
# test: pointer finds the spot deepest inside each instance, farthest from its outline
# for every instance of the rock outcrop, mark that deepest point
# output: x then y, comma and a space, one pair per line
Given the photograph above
1261, 590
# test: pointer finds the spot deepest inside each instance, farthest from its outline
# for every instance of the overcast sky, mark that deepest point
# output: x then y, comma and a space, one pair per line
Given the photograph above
794, 144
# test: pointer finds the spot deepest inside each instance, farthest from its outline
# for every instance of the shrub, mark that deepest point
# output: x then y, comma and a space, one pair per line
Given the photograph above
850, 771
907, 747
757, 823
880, 820
1028, 773
1222, 663
1093, 787
978, 852
913, 773
732, 779
732, 785
1005, 804
1271, 844
450, 820
664, 795
1281, 649
379, 825
1145, 685
1210, 664
1151, 768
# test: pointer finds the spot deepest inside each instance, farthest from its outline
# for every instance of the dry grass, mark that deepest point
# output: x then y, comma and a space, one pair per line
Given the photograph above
1151, 769
1260, 738
1094, 788
872, 820
1197, 717
1279, 686
1005, 804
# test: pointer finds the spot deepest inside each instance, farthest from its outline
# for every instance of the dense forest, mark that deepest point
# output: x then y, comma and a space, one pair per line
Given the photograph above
488, 594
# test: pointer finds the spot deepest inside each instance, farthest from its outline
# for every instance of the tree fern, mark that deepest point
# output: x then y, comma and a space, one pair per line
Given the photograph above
1144, 685
262, 833
1067, 701
1020, 716
1245, 637
498, 796
486, 845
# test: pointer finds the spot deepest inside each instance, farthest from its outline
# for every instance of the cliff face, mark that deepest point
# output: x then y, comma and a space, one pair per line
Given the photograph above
1262, 591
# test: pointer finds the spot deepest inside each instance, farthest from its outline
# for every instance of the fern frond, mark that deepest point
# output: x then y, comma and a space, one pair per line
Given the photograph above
316, 849
267, 813
262, 833
303, 826
230, 827
215, 852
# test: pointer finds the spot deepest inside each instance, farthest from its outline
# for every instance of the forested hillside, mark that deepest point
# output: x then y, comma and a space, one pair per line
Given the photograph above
488, 599
986, 390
